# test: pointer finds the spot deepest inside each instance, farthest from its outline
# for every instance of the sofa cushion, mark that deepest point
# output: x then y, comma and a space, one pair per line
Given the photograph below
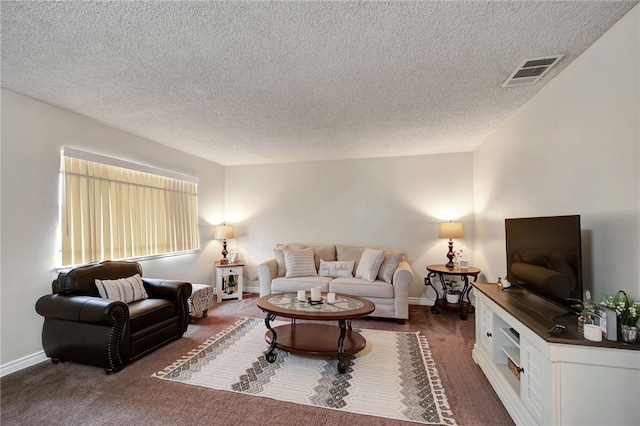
146, 312
362, 288
286, 285
127, 289
300, 263
369, 264
349, 253
327, 253
279, 255
336, 269
391, 261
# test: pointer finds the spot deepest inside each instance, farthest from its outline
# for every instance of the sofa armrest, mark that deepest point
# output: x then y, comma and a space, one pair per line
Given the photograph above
267, 271
83, 309
402, 277
167, 289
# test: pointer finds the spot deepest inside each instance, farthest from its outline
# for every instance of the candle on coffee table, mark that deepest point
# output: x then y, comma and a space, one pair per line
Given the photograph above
302, 295
316, 294
331, 298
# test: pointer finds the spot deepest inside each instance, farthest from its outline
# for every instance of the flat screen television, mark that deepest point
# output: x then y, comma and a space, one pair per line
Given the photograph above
544, 256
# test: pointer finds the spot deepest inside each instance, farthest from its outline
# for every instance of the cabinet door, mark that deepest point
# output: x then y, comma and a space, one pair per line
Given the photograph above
535, 380
484, 337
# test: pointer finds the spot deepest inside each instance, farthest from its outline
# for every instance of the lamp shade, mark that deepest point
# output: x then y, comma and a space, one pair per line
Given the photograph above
451, 230
222, 232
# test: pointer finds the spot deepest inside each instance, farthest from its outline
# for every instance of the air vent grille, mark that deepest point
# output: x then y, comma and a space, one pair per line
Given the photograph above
531, 70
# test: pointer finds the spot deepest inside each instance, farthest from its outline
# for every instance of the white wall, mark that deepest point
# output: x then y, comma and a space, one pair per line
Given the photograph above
391, 203
573, 149
32, 135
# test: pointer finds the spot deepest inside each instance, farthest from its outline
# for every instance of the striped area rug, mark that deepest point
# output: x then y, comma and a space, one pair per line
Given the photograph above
393, 377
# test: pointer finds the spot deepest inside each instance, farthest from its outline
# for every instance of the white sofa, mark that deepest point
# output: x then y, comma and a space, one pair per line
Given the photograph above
387, 286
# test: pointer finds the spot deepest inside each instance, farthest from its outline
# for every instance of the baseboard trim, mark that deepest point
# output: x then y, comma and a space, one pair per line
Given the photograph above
421, 301
24, 362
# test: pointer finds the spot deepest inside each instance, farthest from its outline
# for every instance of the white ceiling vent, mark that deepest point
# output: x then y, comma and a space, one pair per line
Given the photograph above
531, 70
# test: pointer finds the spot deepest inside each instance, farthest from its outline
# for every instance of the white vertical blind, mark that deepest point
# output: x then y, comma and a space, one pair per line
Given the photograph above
112, 212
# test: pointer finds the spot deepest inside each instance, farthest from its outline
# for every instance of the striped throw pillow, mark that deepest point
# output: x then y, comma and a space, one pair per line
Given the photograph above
126, 289
369, 264
300, 263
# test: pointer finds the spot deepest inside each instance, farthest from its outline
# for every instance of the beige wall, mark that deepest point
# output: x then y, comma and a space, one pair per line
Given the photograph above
391, 202
573, 149
32, 135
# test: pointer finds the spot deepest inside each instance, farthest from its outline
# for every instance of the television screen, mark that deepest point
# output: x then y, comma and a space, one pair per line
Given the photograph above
544, 256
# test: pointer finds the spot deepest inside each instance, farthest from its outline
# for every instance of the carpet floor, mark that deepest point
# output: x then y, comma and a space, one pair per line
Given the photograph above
48, 394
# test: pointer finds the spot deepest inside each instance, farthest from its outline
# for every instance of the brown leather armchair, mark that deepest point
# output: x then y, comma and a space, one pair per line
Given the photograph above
82, 327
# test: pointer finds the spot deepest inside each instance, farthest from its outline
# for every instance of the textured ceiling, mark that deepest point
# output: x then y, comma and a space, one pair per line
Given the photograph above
269, 82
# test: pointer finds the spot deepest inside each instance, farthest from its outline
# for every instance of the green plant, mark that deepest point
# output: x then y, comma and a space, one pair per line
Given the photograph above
585, 306
627, 309
454, 288
231, 283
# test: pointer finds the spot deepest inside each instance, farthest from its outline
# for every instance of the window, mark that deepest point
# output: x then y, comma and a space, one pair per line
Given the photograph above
112, 209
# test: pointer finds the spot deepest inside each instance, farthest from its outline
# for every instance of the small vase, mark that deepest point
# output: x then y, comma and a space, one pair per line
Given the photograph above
581, 324
629, 333
582, 320
452, 298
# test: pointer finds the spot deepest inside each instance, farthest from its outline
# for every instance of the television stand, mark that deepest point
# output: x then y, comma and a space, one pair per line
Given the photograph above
552, 380
566, 314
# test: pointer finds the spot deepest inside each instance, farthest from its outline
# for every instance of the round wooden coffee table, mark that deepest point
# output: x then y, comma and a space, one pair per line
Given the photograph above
313, 339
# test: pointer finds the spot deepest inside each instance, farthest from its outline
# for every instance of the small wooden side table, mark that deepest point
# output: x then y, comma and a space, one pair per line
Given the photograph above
464, 274
223, 275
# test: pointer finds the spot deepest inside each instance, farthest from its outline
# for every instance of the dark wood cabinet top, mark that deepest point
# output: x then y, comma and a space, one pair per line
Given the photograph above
539, 315
443, 269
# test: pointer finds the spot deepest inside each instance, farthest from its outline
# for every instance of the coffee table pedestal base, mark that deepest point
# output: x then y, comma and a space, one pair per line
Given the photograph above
318, 340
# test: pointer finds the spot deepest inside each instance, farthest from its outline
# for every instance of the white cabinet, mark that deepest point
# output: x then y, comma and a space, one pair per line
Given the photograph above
484, 333
546, 380
229, 274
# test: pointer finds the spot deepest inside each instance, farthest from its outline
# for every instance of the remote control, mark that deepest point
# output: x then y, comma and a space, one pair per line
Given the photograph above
557, 330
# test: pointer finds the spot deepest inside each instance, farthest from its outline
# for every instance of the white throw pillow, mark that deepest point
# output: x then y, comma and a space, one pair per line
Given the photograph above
300, 263
126, 289
336, 269
279, 255
369, 264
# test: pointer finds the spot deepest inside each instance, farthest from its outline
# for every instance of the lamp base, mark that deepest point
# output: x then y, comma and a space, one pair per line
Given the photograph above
450, 255
224, 261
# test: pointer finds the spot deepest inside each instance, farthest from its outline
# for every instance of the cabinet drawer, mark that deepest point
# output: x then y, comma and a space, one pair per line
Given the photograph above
230, 270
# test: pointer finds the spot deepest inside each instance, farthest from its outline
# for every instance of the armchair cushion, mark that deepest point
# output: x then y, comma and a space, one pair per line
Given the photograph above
127, 289
150, 311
